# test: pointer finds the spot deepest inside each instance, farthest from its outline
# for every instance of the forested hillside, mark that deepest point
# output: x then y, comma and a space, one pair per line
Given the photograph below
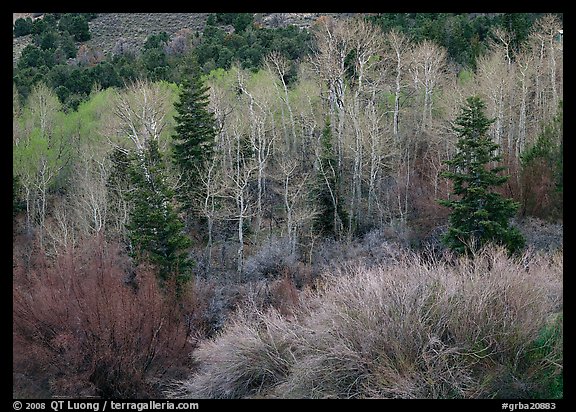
199, 211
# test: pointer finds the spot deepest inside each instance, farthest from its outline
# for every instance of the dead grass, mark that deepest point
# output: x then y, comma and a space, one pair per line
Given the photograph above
412, 329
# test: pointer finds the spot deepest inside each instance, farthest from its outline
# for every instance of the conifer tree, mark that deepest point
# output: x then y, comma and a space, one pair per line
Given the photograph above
479, 215
155, 230
542, 171
195, 133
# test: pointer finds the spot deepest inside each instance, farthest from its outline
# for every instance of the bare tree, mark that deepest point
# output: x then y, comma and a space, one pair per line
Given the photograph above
367, 46
298, 210
493, 79
261, 140
546, 42
329, 63
524, 72
139, 114
399, 47
237, 179
89, 193
44, 105
279, 66
213, 187
427, 62
40, 155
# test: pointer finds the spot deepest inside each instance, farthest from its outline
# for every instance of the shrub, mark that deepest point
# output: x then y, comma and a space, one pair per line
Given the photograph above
252, 354
469, 329
270, 260
87, 324
22, 27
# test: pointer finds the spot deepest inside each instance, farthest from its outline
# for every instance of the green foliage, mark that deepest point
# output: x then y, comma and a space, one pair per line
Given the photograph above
479, 215
155, 230
542, 171
76, 24
240, 21
45, 59
195, 133
104, 75
518, 25
47, 40
155, 63
22, 27
33, 56
546, 350
66, 43
215, 49
156, 41
248, 47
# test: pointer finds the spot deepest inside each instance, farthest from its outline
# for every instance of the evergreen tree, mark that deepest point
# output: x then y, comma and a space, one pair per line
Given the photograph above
22, 27
331, 214
542, 171
155, 231
479, 215
195, 133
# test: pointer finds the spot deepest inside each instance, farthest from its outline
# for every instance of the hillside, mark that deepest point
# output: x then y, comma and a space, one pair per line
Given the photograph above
107, 28
229, 205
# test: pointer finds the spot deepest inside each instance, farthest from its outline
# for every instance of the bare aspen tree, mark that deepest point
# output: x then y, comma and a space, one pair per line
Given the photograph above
40, 155
333, 46
89, 193
524, 77
399, 47
139, 114
261, 140
382, 151
279, 65
16, 113
503, 44
62, 232
212, 188
493, 78
307, 108
298, 211
427, 62
367, 47
44, 105
43, 178
503, 40
546, 42
237, 178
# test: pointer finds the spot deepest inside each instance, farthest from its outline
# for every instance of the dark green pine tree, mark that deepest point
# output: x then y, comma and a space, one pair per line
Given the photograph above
155, 230
479, 215
329, 220
195, 133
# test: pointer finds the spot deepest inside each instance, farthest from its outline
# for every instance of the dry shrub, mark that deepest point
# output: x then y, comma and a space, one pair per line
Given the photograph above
270, 260
86, 324
253, 353
412, 329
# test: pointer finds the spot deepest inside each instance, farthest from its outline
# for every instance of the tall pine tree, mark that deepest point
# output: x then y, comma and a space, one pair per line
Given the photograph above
195, 133
479, 215
155, 230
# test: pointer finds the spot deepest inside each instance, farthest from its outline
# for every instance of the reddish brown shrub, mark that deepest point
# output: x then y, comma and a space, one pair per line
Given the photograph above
86, 324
